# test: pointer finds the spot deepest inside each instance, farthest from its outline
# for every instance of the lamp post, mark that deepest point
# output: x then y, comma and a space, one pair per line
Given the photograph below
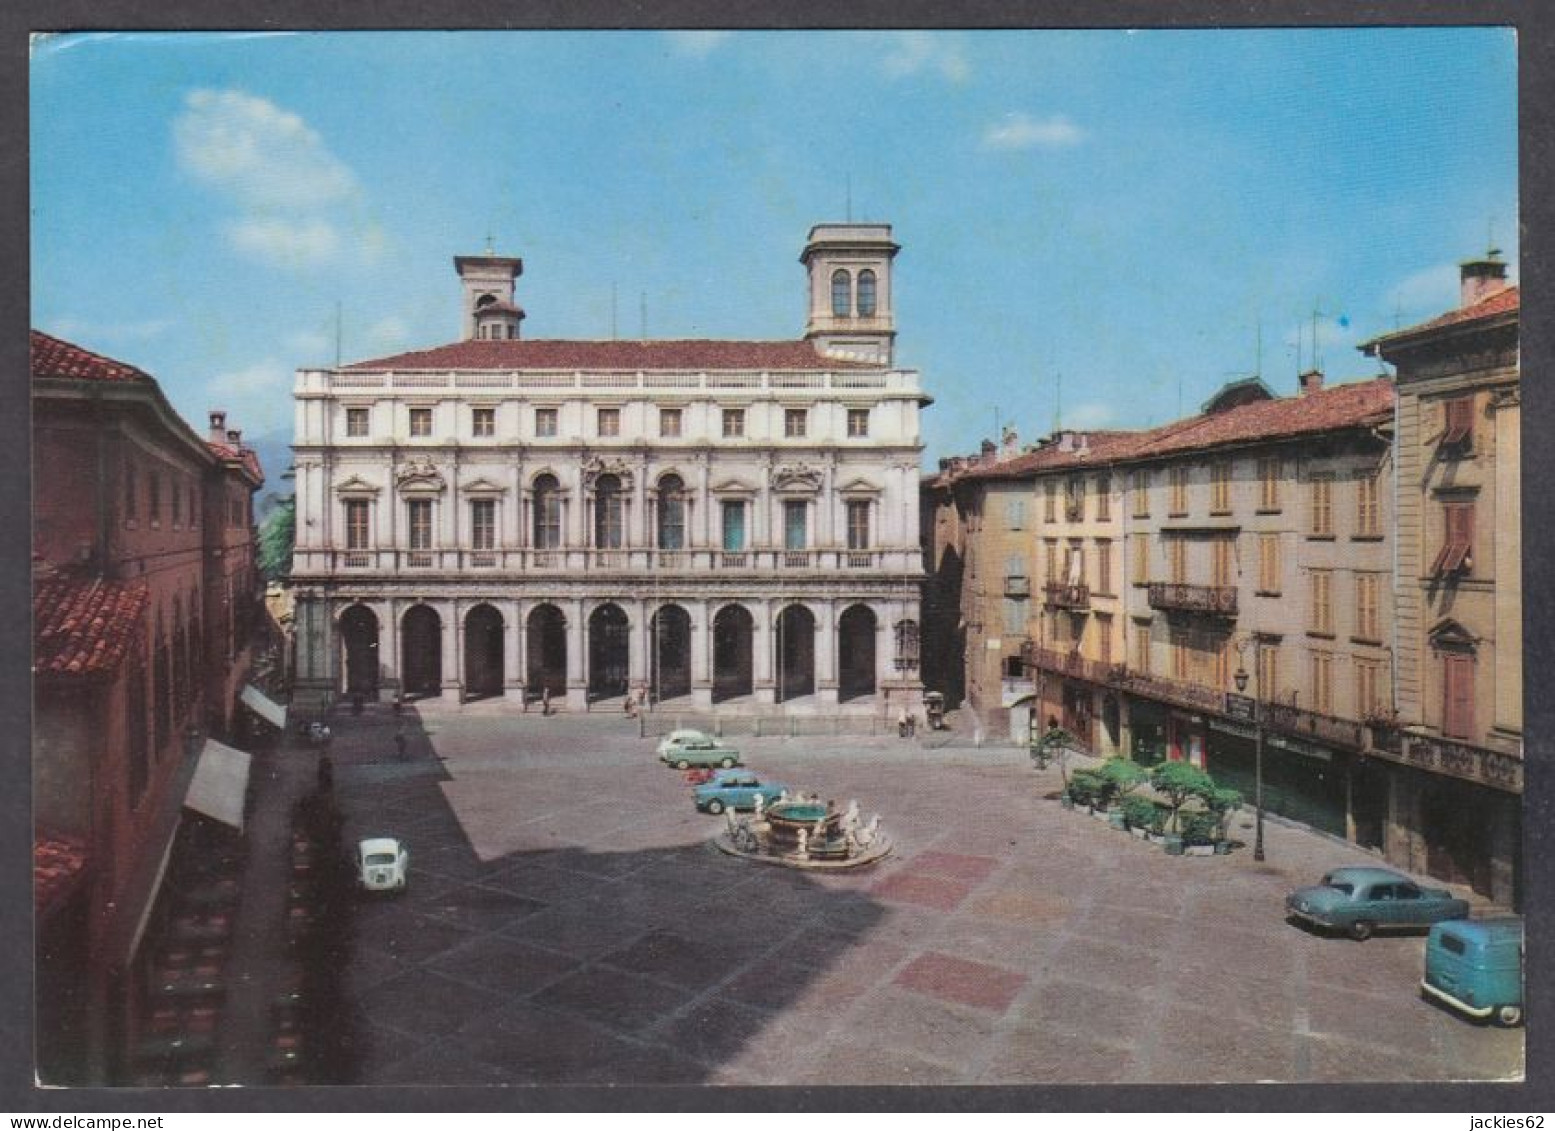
1241, 686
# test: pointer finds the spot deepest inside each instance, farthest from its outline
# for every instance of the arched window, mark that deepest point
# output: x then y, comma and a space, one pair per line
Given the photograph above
841, 294
607, 513
672, 513
866, 294
548, 513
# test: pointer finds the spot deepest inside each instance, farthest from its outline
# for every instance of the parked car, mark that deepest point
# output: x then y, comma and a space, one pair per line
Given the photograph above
735, 789
700, 751
675, 739
1363, 901
382, 864
1476, 967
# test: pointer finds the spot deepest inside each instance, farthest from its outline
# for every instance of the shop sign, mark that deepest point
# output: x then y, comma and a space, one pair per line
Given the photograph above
1242, 708
1296, 746
1226, 726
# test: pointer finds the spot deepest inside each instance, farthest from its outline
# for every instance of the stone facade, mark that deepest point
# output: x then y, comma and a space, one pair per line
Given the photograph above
696, 523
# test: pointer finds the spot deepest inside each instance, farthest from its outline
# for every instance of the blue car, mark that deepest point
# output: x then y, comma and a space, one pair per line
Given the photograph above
735, 789
1476, 967
1363, 901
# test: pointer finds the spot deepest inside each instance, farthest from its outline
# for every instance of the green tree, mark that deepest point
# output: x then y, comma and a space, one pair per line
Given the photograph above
277, 535
1177, 782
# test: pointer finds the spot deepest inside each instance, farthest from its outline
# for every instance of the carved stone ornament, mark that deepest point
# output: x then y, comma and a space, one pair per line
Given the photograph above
595, 466
419, 475
356, 485
797, 477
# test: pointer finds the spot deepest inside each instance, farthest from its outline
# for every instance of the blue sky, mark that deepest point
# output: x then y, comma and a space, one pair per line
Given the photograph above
1113, 213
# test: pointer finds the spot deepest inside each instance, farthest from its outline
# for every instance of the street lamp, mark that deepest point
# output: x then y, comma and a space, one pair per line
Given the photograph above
1241, 686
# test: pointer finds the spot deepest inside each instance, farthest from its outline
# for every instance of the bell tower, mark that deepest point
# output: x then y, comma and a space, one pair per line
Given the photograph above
488, 282
851, 314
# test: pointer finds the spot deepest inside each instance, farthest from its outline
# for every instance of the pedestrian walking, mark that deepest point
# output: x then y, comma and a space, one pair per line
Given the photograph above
901, 723
545, 701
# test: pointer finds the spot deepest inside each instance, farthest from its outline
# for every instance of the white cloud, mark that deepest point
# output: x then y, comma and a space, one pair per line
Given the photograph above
257, 398
263, 155
1424, 294
1022, 131
1093, 414
295, 243
927, 52
698, 44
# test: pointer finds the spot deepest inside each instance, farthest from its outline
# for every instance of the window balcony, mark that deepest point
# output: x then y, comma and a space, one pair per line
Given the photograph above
1287, 719
1215, 600
1060, 595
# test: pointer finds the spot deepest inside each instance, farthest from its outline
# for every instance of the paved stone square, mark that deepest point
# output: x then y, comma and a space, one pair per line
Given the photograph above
568, 923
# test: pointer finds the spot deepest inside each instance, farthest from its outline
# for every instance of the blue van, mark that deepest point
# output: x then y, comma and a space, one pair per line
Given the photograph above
1476, 966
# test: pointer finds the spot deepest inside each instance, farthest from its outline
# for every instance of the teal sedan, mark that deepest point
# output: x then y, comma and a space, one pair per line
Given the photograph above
701, 751
1362, 901
735, 789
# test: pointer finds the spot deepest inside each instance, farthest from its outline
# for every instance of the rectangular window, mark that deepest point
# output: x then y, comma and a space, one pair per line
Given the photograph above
734, 525
483, 524
1104, 498
795, 422
1180, 659
1223, 562
1015, 616
1139, 488
1050, 501
176, 491
420, 422
1074, 564
420, 514
356, 422
1322, 620
483, 421
1269, 483
1368, 509
734, 422
545, 422
1179, 501
1369, 689
1323, 683
795, 524
1268, 674
1142, 648
1322, 509
1177, 560
1457, 695
669, 422
609, 421
1368, 621
858, 423
858, 524
1074, 499
1051, 573
1220, 487
131, 503
356, 524
1141, 558
1015, 514
1457, 552
154, 498
1104, 638
1458, 425
1269, 564
1104, 568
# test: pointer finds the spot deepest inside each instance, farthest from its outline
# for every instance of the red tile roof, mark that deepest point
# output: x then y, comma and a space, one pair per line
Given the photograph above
1100, 447
57, 861
82, 625
629, 356
246, 456
1501, 302
52, 357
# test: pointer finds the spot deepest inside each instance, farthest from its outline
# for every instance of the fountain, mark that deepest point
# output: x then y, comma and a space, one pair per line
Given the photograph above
804, 832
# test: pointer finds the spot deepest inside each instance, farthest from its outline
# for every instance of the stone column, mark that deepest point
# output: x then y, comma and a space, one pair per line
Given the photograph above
826, 654
637, 646
702, 656
577, 655
389, 651
453, 651
512, 651
763, 652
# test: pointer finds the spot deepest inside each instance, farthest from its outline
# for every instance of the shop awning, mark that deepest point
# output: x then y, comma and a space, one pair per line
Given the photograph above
220, 783
263, 706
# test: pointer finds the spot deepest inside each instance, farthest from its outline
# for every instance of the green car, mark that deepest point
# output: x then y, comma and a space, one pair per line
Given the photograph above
701, 751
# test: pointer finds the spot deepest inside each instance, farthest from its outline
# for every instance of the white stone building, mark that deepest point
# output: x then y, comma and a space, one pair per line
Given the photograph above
729, 524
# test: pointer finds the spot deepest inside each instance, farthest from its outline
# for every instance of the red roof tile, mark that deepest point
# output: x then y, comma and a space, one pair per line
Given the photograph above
1501, 302
1339, 406
82, 626
57, 861
629, 356
246, 456
52, 357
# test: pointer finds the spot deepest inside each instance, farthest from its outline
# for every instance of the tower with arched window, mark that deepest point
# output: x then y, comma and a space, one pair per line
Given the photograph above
488, 282
850, 291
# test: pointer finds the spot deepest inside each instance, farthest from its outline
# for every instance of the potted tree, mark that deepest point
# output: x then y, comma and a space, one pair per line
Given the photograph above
1222, 803
1122, 777
1199, 829
1177, 782
1140, 814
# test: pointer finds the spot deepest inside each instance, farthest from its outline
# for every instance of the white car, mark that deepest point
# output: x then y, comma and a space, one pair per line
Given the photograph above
676, 739
382, 864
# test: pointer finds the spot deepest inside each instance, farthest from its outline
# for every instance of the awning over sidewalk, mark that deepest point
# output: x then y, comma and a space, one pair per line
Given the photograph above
220, 783
263, 706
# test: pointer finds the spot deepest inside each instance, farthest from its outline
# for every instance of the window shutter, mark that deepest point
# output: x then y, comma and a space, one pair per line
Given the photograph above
1458, 696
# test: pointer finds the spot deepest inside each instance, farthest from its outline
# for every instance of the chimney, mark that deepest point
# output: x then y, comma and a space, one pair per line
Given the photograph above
235, 437
988, 449
1309, 382
1481, 278
218, 424
1066, 441
1011, 441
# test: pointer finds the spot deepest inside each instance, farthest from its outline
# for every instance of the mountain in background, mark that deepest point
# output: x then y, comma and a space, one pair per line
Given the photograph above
274, 450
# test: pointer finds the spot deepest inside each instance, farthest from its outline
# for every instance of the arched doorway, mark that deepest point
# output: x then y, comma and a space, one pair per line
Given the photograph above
733, 629
547, 649
607, 652
795, 653
359, 632
670, 653
421, 662
856, 653
483, 670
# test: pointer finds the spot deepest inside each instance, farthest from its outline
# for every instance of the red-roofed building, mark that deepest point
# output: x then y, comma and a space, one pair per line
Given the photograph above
143, 582
724, 525
1456, 765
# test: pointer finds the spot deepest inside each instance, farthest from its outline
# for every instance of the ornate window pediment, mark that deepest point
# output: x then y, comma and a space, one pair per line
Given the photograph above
858, 487
356, 487
797, 478
733, 486
1448, 634
596, 466
482, 487
419, 477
